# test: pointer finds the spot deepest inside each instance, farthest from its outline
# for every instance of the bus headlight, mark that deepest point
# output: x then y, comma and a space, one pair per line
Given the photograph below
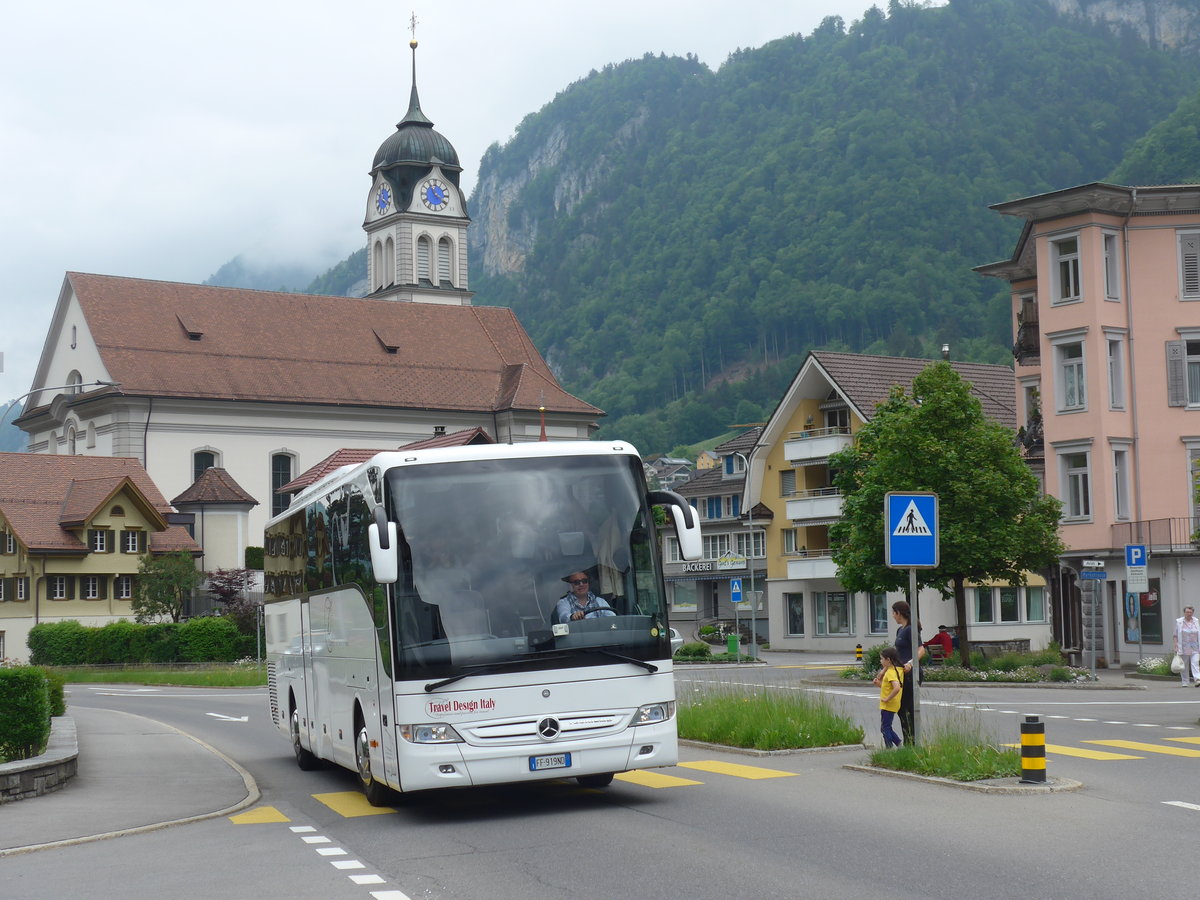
653, 713
430, 733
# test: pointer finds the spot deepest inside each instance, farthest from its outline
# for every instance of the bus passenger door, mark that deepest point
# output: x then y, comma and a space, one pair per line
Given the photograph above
308, 703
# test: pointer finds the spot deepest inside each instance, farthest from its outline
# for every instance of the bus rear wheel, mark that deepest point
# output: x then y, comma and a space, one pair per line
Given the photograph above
306, 760
595, 781
376, 792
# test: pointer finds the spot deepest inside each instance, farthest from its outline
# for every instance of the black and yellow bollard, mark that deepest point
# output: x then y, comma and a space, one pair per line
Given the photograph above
1033, 751
858, 653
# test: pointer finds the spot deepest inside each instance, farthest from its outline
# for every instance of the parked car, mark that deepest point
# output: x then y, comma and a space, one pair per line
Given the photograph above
676, 641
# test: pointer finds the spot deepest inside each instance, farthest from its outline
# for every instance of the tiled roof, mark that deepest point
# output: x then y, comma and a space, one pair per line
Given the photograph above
215, 485
353, 456
741, 443
463, 438
710, 481
41, 494
867, 380
166, 339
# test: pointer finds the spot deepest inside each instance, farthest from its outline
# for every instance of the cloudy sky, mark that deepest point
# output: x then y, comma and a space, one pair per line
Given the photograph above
160, 139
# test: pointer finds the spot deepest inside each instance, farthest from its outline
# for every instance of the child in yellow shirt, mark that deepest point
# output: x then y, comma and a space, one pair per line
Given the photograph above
890, 679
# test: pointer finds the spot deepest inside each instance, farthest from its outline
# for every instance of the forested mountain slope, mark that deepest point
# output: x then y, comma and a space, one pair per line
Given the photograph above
674, 239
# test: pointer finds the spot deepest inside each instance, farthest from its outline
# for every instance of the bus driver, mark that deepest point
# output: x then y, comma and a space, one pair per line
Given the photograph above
579, 602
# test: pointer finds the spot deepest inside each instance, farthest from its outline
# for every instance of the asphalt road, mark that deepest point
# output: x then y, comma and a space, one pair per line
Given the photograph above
720, 825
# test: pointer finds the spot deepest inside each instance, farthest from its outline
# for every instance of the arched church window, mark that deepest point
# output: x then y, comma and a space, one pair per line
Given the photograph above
74, 383
71, 443
423, 258
389, 264
377, 268
201, 460
444, 261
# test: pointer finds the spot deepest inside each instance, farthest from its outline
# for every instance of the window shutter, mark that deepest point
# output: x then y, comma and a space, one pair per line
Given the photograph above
110, 542
102, 587
1176, 373
70, 586
422, 258
8, 589
444, 261
1189, 256
787, 482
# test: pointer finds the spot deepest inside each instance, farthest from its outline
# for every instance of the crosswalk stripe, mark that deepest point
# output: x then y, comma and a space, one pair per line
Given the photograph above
1082, 752
737, 771
654, 779
1147, 748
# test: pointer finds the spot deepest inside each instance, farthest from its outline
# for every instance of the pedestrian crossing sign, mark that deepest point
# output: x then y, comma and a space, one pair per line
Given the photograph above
911, 530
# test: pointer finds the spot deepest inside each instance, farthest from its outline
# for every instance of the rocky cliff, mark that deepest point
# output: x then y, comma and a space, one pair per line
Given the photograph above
1163, 24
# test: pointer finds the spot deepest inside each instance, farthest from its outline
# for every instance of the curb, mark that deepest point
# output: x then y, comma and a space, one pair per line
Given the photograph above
988, 786
747, 751
1054, 685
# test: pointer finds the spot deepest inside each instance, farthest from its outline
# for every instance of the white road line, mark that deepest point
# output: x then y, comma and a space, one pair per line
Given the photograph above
1181, 804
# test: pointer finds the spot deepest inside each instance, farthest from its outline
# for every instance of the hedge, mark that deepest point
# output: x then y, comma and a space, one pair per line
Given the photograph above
203, 639
24, 712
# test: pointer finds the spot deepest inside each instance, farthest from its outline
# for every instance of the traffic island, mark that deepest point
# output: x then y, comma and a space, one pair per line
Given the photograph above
25, 778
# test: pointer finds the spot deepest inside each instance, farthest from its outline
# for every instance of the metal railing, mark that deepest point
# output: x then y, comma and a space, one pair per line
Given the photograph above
811, 433
1178, 535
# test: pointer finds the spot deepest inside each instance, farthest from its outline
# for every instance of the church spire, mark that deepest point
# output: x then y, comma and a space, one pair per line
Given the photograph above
414, 116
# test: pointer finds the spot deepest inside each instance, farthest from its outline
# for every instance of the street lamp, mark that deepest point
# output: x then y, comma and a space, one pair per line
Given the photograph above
750, 557
57, 387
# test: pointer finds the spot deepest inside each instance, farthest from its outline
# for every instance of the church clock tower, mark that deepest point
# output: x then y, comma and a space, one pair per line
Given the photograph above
417, 218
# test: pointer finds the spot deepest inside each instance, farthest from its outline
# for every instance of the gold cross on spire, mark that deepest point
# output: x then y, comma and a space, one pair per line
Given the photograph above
412, 27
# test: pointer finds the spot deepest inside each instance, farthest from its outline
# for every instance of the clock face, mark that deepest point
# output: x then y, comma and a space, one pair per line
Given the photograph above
435, 195
383, 199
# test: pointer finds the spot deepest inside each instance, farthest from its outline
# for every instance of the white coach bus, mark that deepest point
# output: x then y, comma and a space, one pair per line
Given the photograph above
420, 628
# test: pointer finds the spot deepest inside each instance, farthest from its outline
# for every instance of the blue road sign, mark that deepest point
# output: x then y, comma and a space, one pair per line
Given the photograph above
735, 590
1135, 554
1093, 575
910, 536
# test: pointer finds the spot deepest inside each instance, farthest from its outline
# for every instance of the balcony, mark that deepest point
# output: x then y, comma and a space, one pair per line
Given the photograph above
1161, 536
824, 504
811, 564
813, 445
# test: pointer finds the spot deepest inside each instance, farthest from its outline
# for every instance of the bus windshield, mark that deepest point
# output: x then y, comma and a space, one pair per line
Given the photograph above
538, 563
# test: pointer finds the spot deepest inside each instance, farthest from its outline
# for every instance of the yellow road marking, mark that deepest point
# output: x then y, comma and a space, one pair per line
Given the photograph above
351, 804
1082, 752
654, 779
1186, 740
261, 815
1148, 748
738, 771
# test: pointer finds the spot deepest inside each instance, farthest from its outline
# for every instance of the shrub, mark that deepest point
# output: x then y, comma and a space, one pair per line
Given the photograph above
707, 629
208, 639
694, 650
116, 642
159, 642
254, 558
24, 712
58, 643
55, 683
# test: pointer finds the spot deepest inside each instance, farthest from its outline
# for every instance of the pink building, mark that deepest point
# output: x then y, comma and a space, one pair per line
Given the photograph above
1106, 312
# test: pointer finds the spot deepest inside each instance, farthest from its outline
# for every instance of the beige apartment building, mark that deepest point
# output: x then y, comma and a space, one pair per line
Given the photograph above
1105, 286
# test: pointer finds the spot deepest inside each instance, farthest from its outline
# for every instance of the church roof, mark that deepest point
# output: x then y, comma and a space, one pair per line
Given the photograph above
47, 499
173, 340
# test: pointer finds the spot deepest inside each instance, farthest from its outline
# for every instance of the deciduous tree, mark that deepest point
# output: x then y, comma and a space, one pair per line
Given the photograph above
163, 585
995, 523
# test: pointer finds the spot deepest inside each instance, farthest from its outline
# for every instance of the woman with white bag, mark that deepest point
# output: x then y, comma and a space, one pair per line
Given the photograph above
1187, 645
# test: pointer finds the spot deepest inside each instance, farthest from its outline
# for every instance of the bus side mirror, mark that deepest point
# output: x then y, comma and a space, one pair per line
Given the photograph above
685, 520
385, 561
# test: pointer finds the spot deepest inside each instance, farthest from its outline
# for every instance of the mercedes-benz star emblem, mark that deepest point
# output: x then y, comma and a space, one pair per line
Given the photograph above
548, 728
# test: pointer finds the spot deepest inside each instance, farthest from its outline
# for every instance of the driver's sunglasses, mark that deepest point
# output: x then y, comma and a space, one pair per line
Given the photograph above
578, 581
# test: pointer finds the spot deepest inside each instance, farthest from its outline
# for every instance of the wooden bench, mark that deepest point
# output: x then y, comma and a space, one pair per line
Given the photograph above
937, 656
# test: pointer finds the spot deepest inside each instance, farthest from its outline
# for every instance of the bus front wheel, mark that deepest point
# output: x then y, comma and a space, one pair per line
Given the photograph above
377, 793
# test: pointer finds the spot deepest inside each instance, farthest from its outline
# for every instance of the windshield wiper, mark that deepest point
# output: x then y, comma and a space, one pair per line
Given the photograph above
484, 669
648, 666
